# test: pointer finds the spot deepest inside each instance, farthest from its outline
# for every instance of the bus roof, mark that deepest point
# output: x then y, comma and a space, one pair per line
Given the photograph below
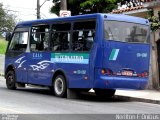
117, 17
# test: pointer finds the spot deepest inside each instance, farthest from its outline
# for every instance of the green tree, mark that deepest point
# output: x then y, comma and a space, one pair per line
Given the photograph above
94, 6
56, 7
154, 20
7, 21
72, 5
86, 6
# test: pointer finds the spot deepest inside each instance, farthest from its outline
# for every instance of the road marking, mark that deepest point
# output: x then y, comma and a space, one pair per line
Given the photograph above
10, 110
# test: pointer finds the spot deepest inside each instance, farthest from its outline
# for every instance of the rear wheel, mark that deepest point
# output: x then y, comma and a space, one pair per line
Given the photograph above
11, 80
59, 86
105, 92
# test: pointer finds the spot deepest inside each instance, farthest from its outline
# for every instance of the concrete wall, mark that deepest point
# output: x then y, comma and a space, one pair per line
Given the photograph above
156, 9
154, 63
154, 56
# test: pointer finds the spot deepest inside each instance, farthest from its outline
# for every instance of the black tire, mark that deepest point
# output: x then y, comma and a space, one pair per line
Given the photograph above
60, 86
11, 80
103, 93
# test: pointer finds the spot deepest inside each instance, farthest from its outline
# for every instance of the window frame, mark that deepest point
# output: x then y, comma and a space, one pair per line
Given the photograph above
84, 20
48, 40
69, 31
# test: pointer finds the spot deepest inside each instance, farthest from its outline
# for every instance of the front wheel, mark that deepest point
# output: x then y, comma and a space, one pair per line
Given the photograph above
105, 92
11, 80
59, 86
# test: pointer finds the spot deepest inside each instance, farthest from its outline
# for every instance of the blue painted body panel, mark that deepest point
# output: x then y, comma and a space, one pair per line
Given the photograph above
127, 59
38, 68
128, 56
109, 82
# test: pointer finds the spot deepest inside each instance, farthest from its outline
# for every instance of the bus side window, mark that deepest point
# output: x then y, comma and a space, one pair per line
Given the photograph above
83, 35
19, 41
39, 38
60, 37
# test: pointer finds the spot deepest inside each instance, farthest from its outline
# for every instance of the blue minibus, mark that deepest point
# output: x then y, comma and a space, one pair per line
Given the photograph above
103, 52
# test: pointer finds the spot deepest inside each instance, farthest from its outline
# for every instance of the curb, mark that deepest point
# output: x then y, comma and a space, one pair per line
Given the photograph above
1, 73
137, 99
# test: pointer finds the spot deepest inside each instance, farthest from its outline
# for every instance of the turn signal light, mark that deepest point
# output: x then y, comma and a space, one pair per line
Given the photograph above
103, 71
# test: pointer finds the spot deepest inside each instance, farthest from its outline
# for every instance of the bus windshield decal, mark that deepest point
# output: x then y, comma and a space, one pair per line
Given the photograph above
78, 58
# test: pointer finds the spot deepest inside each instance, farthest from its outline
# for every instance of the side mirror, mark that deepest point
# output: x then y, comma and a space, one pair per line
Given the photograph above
8, 36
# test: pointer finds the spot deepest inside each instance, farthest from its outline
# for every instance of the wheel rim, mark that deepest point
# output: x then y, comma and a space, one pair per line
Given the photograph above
10, 80
59, 86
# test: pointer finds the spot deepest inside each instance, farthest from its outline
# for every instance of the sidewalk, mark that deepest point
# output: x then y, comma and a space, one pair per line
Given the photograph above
148, 96
2, 57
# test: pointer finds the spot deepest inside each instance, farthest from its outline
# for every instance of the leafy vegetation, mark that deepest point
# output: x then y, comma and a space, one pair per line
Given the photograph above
7, 20
154, 20
3, 46
86, 6
94, 6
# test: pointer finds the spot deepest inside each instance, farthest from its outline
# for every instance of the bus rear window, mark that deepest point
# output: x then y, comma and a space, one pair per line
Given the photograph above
126, 32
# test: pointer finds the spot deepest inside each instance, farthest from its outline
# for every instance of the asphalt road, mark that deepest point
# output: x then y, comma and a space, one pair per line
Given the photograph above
41, 101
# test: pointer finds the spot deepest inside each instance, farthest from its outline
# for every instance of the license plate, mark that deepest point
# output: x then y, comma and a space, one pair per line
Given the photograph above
127, 73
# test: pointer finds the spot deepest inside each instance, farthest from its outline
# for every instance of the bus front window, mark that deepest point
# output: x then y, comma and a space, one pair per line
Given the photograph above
19, 41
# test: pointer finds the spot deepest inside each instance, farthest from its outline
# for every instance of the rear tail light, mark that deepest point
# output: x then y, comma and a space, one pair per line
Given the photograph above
129, 73
106, 72
144, 74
